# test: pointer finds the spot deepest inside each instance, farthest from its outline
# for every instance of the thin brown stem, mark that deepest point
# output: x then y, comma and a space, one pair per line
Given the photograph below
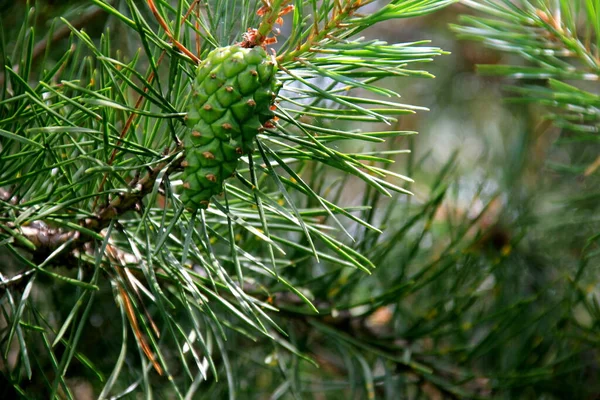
131, 316
125, 129
195, 6
335, 21
198, 47
167, 30
46, 239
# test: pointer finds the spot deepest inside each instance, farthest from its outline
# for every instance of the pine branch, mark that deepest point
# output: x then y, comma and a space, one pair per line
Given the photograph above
89, 127
558, 48
46, 240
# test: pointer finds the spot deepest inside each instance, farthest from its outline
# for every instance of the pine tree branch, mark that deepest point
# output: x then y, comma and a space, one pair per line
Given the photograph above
65, 140
46, 239
559, 42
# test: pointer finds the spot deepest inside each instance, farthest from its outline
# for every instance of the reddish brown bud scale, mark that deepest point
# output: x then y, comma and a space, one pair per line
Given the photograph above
211, 177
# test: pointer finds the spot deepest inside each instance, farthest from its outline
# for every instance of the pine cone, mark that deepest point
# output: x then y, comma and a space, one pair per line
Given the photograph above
232, 96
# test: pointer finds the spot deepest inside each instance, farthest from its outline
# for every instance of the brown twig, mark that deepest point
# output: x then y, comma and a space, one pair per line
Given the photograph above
138, 333
197, 24
125, 129
167, 30
335, 21
47, 239
123, 203
195, 5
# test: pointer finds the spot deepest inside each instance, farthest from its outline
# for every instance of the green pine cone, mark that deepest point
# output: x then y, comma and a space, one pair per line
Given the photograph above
232, 96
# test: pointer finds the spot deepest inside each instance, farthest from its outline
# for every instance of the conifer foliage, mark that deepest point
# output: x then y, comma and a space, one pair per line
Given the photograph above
208, 199
558, 40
